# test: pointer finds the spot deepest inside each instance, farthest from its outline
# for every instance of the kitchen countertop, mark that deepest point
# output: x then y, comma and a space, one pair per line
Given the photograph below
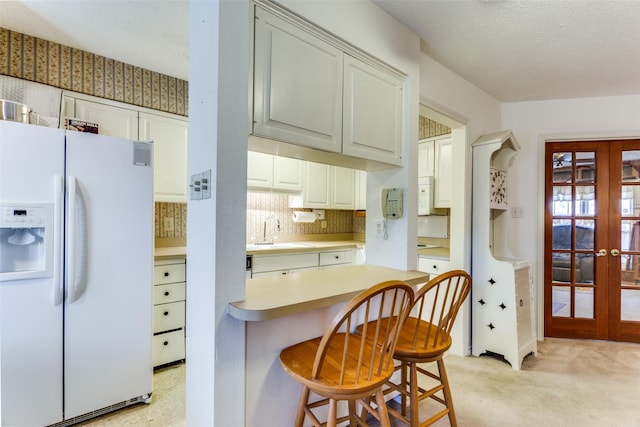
271, 297
435, 253
169, 252
303, 246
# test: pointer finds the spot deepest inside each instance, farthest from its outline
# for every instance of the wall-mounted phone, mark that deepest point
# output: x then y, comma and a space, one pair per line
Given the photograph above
391, 203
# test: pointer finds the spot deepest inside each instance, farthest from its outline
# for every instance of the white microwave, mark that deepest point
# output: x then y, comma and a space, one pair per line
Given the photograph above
425, 195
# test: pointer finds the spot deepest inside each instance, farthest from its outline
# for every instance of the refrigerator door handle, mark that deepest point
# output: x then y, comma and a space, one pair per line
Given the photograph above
77, 242
58, 215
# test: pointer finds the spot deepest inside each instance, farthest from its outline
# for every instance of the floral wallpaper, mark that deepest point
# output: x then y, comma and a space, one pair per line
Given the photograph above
34, 59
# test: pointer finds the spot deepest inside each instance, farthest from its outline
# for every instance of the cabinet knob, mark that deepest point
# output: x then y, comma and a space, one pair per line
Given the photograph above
166, 313
337, 257
521, 303
166, 274
166, 343
166, 294
435, 267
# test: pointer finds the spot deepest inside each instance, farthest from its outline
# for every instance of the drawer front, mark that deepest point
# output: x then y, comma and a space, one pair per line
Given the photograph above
168, 273
283, 272
336, 257
284, 262
168, 316
167, 348
172, 292
433, 266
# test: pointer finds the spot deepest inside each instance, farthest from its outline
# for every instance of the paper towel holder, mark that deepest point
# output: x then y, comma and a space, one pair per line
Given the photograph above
319, 213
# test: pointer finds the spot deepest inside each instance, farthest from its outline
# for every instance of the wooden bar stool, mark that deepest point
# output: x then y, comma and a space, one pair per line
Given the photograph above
424, 338
344, 366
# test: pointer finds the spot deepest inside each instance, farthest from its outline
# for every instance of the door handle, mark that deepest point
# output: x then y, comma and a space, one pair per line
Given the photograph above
602, 252
615, 252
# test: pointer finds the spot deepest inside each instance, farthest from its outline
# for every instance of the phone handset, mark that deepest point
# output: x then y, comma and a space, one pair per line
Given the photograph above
391, 203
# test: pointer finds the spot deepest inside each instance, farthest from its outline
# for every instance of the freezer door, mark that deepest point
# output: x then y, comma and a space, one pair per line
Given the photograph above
108, 318
30, 314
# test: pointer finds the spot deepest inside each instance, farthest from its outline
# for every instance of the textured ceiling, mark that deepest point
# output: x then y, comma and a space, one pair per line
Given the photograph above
514, 50
531, 50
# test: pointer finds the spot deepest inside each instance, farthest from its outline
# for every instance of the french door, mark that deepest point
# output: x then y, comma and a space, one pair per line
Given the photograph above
592, 240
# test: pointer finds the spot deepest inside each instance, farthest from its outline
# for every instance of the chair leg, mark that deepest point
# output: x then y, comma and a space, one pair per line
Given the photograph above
353, 416
304, 399
414, 396
333, 413
382, 409
447, 392
403, 386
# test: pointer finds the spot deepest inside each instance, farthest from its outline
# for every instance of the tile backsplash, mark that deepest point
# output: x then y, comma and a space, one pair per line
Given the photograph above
170, 214
261, 206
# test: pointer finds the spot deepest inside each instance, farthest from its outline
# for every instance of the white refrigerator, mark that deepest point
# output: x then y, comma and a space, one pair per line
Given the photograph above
76, 265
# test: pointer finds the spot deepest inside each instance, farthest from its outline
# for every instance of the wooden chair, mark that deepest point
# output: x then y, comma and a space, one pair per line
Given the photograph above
424, 338
344, 366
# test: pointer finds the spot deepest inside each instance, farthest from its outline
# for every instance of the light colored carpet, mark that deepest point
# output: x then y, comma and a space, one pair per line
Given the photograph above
570, 383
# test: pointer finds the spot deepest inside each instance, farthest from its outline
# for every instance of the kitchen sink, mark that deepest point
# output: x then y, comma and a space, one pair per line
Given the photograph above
277, 246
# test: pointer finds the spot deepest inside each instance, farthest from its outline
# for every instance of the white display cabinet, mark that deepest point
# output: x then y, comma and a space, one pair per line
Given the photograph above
502, 292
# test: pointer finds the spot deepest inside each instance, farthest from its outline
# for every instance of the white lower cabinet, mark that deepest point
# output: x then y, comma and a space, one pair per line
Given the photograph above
433, 265
335, 259
169, 305
270, 265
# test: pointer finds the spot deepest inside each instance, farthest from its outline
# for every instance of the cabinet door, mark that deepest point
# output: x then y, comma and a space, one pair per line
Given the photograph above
259, 170
169, 137
426, 159
317, 181
372, 126
343, 188
443, 179
112, 121
361, 190
297, 85
287, 174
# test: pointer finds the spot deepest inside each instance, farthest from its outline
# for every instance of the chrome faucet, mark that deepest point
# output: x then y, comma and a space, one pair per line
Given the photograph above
264, 231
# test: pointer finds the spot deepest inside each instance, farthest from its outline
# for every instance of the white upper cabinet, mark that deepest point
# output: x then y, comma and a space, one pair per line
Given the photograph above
361, 190
313, 90
443, 173
268, 172
426, 161
169, 137
317, 186
372, 127
111, 120
343, 188
326, 187
259, 170
287, 174
297, 85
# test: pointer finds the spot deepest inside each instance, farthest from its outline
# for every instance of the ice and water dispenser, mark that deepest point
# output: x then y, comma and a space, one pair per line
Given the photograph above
26, 241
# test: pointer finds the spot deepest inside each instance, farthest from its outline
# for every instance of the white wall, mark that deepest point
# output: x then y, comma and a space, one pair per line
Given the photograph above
532, 123
218, 111
452, 96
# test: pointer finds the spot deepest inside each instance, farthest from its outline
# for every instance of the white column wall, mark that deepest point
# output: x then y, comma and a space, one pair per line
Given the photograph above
218, 111
534, 122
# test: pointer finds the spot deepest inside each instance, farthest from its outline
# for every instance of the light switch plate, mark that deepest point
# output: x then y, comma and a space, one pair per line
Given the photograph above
195, 192
206, 184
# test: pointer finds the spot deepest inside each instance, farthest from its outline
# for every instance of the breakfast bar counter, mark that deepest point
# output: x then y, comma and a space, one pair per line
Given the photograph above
277, 296
279, 311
